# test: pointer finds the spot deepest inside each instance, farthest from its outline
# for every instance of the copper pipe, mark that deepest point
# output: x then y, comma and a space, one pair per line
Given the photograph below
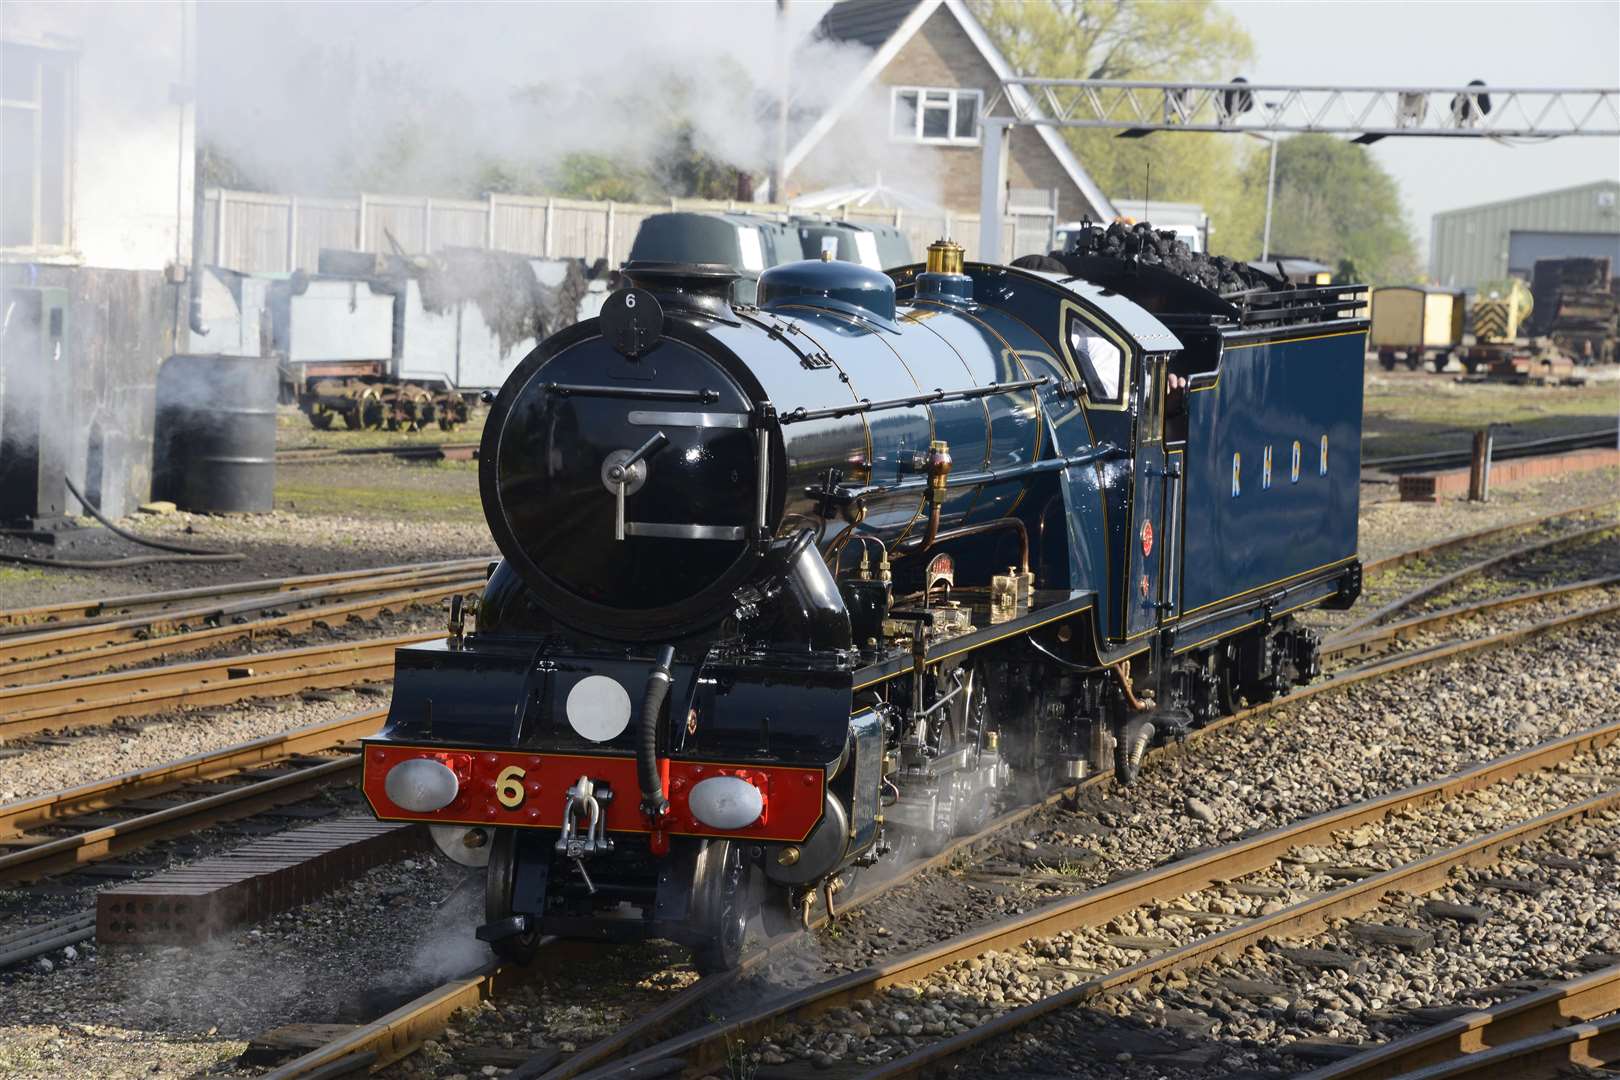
1136, 703
933, 526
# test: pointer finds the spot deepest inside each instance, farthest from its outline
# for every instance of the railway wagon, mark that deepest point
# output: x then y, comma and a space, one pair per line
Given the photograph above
1416, 324
792, 587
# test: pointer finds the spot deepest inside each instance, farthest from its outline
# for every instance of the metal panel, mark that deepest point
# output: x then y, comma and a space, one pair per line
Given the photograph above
1525, 247
1472, 245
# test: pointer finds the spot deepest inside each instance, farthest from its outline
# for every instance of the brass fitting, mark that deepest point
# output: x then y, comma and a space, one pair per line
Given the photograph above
946, 256
939, 469
788, 856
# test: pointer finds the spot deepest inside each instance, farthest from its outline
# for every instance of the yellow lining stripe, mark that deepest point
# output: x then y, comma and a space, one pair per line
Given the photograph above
1245, 626
1341, 561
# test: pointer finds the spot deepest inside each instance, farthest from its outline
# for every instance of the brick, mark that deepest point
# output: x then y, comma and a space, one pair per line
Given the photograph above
1453, 483
193, 903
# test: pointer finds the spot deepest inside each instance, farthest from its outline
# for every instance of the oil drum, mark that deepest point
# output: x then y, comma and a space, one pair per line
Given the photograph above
215, 436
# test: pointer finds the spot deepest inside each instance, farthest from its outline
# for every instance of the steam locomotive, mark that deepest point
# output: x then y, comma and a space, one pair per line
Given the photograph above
792, 586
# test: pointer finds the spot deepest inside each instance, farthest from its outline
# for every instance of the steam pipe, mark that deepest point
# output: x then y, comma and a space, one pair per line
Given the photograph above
980, 529
653, 802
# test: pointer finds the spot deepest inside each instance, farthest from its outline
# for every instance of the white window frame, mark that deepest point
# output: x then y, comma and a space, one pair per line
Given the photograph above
951, 138
68, 60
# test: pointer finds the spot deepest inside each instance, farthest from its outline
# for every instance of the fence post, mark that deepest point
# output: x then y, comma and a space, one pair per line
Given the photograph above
292, 233
219, 229
610, 232
1479, 466
489, 222
551, 212
360, 225
427, 225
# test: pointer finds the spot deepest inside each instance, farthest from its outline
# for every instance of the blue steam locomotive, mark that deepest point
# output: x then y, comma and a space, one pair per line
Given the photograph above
791, 585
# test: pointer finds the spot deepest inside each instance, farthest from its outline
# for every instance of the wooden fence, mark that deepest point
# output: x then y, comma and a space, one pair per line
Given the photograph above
259, 233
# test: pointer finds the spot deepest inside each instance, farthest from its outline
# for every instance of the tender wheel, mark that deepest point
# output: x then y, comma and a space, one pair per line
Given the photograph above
498, 882
369, 408
720, 907
1386, 360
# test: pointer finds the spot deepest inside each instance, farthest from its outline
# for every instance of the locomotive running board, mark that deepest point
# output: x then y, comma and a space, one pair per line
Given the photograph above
900, 662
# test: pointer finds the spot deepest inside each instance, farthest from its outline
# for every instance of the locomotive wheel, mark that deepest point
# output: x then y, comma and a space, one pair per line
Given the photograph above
719, 907
320, 417
498, 881
352, 418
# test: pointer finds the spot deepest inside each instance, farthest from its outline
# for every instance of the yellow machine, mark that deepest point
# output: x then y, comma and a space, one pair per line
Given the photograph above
1414, 323
1499, 315
1501, 309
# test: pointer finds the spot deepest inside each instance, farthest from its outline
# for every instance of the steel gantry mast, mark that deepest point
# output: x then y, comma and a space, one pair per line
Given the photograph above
1366, 113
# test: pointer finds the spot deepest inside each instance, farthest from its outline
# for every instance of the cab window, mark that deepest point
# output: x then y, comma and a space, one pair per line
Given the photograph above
1100, 360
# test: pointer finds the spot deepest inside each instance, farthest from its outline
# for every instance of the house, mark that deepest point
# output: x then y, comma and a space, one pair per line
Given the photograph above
911, 117
96, 172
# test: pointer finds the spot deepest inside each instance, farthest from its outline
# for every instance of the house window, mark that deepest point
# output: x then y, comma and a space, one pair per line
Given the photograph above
921, 114
36, 146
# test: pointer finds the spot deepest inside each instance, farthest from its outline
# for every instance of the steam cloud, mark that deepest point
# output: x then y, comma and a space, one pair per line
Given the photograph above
416, 97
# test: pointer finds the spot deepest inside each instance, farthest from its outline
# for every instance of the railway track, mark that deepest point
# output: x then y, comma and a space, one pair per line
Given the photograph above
1503, 1040
398, 1034
1504, 451
30, 853
96, 647
1453, 578
708, 1046
69, 613
94, 700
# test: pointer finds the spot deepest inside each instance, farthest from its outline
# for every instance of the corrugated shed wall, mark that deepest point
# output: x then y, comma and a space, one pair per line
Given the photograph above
1470, 245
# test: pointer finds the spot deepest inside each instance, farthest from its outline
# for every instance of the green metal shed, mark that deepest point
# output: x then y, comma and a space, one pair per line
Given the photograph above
1489, 242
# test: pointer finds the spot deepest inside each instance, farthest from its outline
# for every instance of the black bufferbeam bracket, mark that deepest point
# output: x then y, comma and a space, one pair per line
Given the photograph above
501, 929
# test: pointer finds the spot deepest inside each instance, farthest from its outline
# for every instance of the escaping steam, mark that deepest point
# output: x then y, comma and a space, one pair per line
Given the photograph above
429, 97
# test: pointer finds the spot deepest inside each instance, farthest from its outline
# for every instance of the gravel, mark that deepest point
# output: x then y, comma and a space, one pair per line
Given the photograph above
375, 943
168, 736
1266, 1013
1329, 751
1389, 525
968, 992
279, 544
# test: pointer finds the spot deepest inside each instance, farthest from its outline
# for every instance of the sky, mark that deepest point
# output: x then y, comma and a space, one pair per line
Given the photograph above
1565, 44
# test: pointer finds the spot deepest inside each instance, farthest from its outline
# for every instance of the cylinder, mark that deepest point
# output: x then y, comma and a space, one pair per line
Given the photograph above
215, 437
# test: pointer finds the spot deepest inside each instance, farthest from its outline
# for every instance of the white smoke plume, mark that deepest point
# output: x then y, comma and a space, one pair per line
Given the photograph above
417, 97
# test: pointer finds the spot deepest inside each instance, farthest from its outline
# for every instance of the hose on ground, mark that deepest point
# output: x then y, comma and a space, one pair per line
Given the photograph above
653, 802
181, 554
141, 540
131, 560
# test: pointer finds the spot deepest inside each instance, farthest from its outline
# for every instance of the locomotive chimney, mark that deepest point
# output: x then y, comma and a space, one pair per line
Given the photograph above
945, 256
703, 286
